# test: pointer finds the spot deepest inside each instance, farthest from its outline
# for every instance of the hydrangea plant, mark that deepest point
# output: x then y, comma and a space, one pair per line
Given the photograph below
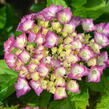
52, 55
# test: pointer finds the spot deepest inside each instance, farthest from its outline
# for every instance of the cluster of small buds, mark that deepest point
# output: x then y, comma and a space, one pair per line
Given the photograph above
28, 107
51, 55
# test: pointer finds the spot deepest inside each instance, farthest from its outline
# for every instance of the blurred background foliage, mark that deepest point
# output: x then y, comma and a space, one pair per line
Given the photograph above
92, 96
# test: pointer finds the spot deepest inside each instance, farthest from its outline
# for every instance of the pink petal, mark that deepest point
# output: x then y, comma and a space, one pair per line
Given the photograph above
43, 70
60, 93
77, 71
64, 16
101, 39
36, 87
21, 41
8, 44
95, 74
22, 87
88, 25
73, 86
51, 40
24, 56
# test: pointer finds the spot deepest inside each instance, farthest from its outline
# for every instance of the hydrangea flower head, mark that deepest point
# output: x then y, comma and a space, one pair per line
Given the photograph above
52, 55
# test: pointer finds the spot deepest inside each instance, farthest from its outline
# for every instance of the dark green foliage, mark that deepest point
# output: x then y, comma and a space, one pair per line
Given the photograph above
78, 3
3, 17
103, 102
38, 7
7, 80
44, 99
30, 99
8, 21
61, 104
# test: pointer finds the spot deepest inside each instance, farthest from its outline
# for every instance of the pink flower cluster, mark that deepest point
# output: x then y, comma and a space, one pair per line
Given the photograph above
51, 55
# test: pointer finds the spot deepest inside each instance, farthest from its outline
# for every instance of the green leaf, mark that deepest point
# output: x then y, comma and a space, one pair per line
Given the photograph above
30, 99
56, 2
32, 43
2, 17
17, 33
94, 14
105, 9
38, 7
93, 11
93, 3
87, 13
97, 7
14, 50
103, 103
7, 80
44, 99
80, 12
81, 99
103, 18
9, 24
4, 69
78, 3
61, 104
11, 18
